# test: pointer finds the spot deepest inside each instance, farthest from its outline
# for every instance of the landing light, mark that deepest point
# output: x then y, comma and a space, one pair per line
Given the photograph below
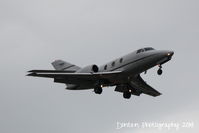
129, 90
102, 86
169, 54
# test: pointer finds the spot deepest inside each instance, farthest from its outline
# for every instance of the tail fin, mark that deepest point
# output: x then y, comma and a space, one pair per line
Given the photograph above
63, 65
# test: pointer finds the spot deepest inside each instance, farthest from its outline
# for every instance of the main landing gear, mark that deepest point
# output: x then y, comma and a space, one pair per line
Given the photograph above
98, 90
160, 70
127, 95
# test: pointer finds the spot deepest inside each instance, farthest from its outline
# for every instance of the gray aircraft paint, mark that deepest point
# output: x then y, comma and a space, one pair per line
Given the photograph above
123, 73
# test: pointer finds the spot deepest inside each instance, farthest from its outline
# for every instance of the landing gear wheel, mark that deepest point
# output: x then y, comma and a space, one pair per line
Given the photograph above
98, 90
160, 71
127, 95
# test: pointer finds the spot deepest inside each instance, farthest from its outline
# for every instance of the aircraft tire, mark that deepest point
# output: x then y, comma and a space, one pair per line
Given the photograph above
98, 90
127, 95
159, 71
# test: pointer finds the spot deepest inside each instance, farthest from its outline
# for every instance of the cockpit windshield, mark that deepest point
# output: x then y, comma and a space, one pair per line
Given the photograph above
144, 49
148, 48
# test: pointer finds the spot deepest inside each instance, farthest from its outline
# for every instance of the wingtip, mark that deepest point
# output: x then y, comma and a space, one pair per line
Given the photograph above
159, 94
31, 74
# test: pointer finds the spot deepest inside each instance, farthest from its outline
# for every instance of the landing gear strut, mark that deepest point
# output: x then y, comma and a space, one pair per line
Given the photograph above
160, 70
98, 90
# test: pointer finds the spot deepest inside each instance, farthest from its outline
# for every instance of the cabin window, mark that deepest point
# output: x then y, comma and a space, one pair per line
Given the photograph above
121, 60
113, 64
61, 64
105, 67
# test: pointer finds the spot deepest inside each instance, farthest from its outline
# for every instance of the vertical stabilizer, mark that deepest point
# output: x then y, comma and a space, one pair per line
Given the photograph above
63, 65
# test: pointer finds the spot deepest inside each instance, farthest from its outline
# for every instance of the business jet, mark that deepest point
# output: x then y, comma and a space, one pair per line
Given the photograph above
123, 73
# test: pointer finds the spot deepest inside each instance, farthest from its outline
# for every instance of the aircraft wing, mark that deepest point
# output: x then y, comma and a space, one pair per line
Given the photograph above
141, 86
74, 78
51, 71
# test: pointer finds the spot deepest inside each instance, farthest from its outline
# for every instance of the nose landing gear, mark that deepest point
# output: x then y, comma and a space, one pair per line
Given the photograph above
160, 70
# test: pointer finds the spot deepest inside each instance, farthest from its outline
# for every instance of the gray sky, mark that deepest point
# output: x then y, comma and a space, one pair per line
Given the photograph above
35, 33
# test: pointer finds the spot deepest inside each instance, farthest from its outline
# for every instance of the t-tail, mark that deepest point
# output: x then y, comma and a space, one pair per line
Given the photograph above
64, 66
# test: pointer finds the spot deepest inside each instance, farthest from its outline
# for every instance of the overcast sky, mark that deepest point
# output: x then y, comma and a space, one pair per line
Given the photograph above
33, 33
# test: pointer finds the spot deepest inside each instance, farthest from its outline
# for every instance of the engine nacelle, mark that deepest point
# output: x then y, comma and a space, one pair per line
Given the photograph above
89, 69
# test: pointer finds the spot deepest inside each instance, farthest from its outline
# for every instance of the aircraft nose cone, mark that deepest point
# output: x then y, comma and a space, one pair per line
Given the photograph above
170, 53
